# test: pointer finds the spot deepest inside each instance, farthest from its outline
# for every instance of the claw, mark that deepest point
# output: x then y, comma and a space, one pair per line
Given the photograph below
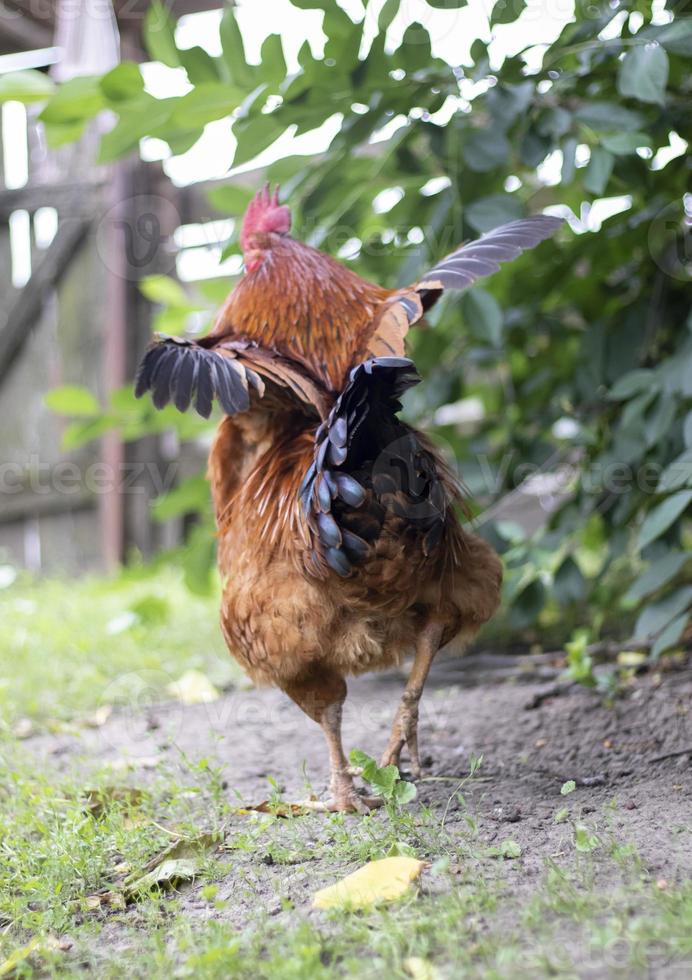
344, 803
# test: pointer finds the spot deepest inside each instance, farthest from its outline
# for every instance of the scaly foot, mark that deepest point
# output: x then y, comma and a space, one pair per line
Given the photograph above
404, 732
344, 798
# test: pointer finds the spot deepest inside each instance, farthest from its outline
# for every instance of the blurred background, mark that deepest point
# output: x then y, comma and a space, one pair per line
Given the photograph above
133, 135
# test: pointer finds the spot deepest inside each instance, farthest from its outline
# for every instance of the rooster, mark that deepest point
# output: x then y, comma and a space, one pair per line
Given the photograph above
340, 546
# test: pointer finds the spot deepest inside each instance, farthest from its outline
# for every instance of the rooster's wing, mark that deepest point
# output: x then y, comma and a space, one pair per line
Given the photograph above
183, 371
459, 270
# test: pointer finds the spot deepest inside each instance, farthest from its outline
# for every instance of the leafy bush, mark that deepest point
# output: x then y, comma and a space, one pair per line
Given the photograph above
573, 366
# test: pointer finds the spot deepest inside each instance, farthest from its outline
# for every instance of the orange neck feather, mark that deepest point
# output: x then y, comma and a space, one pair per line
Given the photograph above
304, 304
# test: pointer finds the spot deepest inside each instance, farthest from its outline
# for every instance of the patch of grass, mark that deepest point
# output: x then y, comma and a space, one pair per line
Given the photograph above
247, 911
69, 647
71, 843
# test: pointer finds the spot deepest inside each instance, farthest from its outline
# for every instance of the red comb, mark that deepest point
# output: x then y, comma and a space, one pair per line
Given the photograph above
264, 214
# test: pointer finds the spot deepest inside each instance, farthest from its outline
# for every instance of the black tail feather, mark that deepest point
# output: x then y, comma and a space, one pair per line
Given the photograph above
361, 435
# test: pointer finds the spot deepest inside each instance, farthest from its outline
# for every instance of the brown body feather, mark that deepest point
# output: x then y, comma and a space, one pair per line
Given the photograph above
279, 618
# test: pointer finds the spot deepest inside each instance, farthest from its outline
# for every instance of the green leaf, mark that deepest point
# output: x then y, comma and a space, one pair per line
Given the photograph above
273, 61
658, 574
663, 516
509, 102
164, 290
687, 430
387, 14
609, 117
677, 474
151, 609
585, 840
658, 615
676, 37
569, 584
510, 850
122, 83
632, 383
569, 159
622, 144
159, 35
76, 100
414, 54
643, 73
506, 11
82, 433
659, 420
364, 762
400, 848
204, 104
384, 780
404, 793
72, 400
484, 316
138, 118
231, 199
25, 86
491, 212
199, 65
199, 559
555, 121
669, 636
234, 61
255, 136
485, 149
447, 4
190, 496
598, 171
60, 134
579, 660
568, 787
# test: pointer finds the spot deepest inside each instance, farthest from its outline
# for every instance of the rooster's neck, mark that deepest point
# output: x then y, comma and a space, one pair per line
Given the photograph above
305, 305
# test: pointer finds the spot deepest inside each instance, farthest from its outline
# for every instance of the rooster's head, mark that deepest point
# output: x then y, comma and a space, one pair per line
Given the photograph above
264, 215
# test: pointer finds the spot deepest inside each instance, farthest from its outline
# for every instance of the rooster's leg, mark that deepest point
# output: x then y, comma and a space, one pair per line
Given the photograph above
321, 695
405, 727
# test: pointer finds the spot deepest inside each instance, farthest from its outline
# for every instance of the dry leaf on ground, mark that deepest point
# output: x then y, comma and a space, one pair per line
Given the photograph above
98, 801
182, 861
276, 809
420, 969
377, 881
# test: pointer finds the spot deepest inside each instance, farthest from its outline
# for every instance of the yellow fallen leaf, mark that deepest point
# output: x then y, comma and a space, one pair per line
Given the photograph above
105, 899
193, 687
24, 728
421, 969
98, 718
631, 658
377, 881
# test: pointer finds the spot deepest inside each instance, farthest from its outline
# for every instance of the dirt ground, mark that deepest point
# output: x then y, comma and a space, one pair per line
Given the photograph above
533, 736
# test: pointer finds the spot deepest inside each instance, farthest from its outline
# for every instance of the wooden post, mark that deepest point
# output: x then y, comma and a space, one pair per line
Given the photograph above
91, 44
